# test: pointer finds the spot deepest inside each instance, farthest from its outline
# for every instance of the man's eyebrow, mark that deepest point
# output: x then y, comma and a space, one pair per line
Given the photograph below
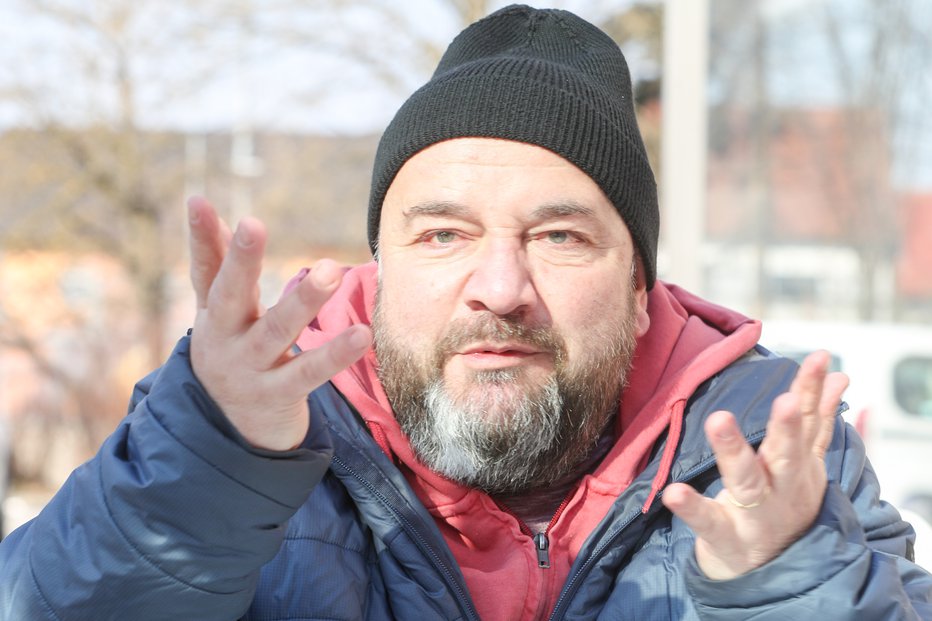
561, 209
436, 208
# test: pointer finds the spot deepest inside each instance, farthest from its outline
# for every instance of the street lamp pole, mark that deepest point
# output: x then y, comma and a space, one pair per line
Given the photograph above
684, 140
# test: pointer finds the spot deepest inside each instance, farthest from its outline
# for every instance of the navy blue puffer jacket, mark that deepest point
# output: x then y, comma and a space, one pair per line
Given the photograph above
176, 518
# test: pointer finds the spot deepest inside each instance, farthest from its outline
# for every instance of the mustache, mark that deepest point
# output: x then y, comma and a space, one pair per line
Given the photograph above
493, 329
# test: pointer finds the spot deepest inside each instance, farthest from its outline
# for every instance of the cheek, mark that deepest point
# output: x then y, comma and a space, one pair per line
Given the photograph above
417, 306
588, 307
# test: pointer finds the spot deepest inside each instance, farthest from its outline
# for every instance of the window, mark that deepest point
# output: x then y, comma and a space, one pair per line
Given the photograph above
912, 385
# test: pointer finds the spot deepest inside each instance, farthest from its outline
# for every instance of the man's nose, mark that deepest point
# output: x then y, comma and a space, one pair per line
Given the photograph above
501, 281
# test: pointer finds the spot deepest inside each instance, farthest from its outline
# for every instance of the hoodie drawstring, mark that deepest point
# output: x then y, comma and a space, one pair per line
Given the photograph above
669, 451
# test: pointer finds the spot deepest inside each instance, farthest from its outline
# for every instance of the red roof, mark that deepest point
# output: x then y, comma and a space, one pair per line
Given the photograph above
821, 168
914, 267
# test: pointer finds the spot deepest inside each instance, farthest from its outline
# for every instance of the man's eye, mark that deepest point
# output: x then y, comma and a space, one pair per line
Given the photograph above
444, 237
558, 237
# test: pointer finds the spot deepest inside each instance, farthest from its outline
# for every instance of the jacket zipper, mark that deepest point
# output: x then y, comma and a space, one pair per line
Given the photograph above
542, 545
541, 539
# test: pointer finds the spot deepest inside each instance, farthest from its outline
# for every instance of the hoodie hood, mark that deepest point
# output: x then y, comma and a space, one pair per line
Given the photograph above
689, 341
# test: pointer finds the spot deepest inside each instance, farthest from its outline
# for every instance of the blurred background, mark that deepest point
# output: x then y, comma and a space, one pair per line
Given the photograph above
790, 139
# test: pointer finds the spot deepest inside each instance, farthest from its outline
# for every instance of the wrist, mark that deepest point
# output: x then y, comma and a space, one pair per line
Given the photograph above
276, 436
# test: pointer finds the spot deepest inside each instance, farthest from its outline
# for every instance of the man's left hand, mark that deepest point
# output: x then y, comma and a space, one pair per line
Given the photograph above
772, 496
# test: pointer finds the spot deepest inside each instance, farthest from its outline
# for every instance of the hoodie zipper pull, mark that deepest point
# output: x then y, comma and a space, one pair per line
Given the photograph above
542, 544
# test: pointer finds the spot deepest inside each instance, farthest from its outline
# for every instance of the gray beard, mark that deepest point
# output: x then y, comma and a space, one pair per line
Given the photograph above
498, 436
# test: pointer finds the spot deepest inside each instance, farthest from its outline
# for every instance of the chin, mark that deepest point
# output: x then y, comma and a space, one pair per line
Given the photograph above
494, 392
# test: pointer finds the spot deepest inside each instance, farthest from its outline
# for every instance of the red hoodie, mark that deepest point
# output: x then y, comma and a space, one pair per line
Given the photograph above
689, 340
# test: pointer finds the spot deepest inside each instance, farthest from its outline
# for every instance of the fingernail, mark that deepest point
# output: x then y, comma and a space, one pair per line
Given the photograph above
324, 275
359, 338
194, 215
726, 435
243, 236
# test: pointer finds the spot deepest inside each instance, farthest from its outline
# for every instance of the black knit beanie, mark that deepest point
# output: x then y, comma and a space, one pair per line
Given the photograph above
540, 76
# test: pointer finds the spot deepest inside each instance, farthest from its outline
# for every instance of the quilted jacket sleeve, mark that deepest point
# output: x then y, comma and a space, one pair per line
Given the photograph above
172, 519
852, 564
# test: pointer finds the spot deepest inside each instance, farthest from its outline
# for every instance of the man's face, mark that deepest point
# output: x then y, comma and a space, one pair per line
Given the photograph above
507, 311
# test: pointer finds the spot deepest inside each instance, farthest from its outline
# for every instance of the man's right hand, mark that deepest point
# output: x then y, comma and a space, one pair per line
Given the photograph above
241, 352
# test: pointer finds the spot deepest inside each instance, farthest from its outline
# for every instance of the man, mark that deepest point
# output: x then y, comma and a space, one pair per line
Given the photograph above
535, 427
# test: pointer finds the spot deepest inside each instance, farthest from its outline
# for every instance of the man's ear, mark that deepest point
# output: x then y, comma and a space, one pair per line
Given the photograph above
642, 319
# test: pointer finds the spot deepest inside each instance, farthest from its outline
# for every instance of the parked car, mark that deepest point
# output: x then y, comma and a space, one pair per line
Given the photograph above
890, 396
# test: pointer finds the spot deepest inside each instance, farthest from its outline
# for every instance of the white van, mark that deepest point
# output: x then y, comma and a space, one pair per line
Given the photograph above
890, 396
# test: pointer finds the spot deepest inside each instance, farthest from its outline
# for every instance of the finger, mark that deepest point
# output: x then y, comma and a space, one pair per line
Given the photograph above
835, 385
280, 326
233, 299
313, 367
707, 518
208, 242
742, 473
808, 385
784, 445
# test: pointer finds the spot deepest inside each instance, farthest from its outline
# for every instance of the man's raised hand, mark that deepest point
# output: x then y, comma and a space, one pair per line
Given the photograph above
771, 496
241, 352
